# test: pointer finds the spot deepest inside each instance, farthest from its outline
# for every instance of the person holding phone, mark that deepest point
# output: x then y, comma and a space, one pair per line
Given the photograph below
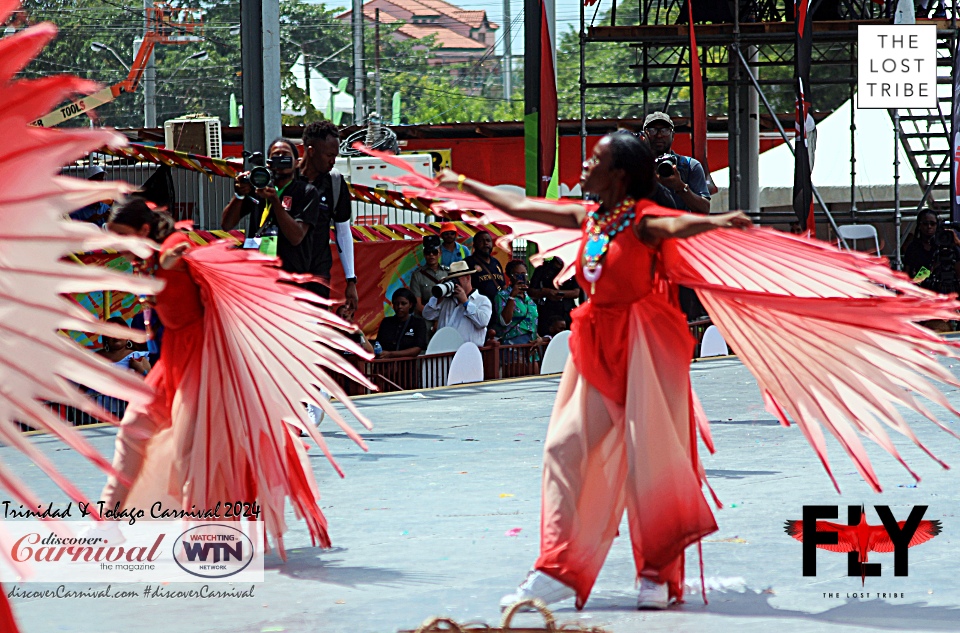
516, 308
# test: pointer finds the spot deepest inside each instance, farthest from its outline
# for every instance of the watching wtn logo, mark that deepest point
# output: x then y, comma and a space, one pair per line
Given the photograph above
858, 538
213, 551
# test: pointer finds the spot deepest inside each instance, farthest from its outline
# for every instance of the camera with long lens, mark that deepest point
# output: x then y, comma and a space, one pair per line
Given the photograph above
665, 164
443, 289
944, 278
261, 172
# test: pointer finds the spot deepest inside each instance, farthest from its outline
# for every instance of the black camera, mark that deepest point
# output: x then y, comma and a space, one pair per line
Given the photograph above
443, 289
261, 174
665, 164
431, 243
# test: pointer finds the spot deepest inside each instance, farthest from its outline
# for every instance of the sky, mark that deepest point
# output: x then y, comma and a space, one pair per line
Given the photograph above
568, 15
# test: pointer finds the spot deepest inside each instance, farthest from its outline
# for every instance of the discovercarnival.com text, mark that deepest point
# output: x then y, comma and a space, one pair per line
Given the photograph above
148, 592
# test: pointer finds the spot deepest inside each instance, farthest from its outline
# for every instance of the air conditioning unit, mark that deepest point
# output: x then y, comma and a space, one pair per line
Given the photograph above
199, 135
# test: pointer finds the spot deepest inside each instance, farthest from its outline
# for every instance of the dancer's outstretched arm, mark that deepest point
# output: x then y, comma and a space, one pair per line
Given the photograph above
561, 215
652, 229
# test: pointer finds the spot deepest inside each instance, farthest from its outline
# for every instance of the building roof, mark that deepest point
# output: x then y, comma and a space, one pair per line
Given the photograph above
473, 19
445, 38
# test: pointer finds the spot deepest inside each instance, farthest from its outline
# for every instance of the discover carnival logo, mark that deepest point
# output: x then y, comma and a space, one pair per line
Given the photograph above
149, 551
213, 551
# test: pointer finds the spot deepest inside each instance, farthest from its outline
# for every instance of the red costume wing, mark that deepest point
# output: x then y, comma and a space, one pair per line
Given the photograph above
830, 336
925, 531
267, 349
551, 241
37, 364
845, 537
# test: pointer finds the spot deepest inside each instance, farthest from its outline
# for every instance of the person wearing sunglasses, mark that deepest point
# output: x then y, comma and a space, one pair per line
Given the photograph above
682, 175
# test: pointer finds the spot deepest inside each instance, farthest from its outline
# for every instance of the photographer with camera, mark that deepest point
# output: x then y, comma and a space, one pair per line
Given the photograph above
932, 258
456, 304
682, 175
281, 208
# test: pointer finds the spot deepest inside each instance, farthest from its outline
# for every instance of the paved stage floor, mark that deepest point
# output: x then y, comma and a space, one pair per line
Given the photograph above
441, 518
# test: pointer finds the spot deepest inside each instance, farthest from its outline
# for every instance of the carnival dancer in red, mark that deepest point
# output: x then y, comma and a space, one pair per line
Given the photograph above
240, 351
620, 435
623, 431
37, 363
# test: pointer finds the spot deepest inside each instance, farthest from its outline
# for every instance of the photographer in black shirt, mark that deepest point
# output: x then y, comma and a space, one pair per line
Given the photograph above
286, 208
933, 254
321, 146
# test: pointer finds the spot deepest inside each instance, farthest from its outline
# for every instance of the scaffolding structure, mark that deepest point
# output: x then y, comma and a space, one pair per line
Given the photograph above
747, 51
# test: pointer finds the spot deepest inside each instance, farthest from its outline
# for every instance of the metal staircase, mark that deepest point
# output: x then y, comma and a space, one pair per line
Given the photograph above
925, 134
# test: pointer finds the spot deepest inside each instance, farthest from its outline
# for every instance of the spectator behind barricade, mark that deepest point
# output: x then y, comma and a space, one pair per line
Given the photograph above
552, 301
404, 334
488, 279
346, 313
451, 250
555, 325
97, 212
427, 276
456, 304
515, 309
121, 352
932, 257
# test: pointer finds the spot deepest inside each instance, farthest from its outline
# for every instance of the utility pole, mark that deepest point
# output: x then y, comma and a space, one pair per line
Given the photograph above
306, 76
149, 75
376, 68
356, 20
260, 56
507, 52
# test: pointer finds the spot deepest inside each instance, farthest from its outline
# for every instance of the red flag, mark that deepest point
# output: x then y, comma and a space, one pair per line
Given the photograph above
548, 97
698, 105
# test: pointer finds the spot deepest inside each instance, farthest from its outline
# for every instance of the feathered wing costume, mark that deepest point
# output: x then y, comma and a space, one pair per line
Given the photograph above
36, 363
267, 343
232, 415
830, 336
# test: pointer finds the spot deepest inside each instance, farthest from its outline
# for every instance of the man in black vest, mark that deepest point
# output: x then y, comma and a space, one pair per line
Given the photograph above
321, 146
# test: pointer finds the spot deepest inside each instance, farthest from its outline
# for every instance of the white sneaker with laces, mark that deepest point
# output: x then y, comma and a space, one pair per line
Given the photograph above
653, 595
538, 585
109, 531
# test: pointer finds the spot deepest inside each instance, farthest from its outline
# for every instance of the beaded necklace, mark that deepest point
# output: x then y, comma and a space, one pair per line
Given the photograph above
601, 230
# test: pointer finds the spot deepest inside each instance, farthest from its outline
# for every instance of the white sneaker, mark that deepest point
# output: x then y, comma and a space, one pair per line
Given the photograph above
538, 585
109, 531
653, 595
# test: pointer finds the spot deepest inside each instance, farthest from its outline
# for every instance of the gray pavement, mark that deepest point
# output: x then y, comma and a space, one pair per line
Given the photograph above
426, 524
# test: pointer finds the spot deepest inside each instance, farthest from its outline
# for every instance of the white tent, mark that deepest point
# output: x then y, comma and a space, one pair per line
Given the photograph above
320, 90
831, 170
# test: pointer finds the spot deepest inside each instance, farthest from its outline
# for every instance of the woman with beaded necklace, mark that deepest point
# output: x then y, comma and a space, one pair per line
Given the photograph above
621, 434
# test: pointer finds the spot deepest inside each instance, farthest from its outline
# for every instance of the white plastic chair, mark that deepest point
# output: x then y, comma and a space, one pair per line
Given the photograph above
555, 358
466, 366
712, 343
854, 232
447, 339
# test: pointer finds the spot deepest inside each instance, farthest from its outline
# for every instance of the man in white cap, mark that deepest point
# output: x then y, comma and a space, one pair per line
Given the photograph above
687, 182
456, 304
